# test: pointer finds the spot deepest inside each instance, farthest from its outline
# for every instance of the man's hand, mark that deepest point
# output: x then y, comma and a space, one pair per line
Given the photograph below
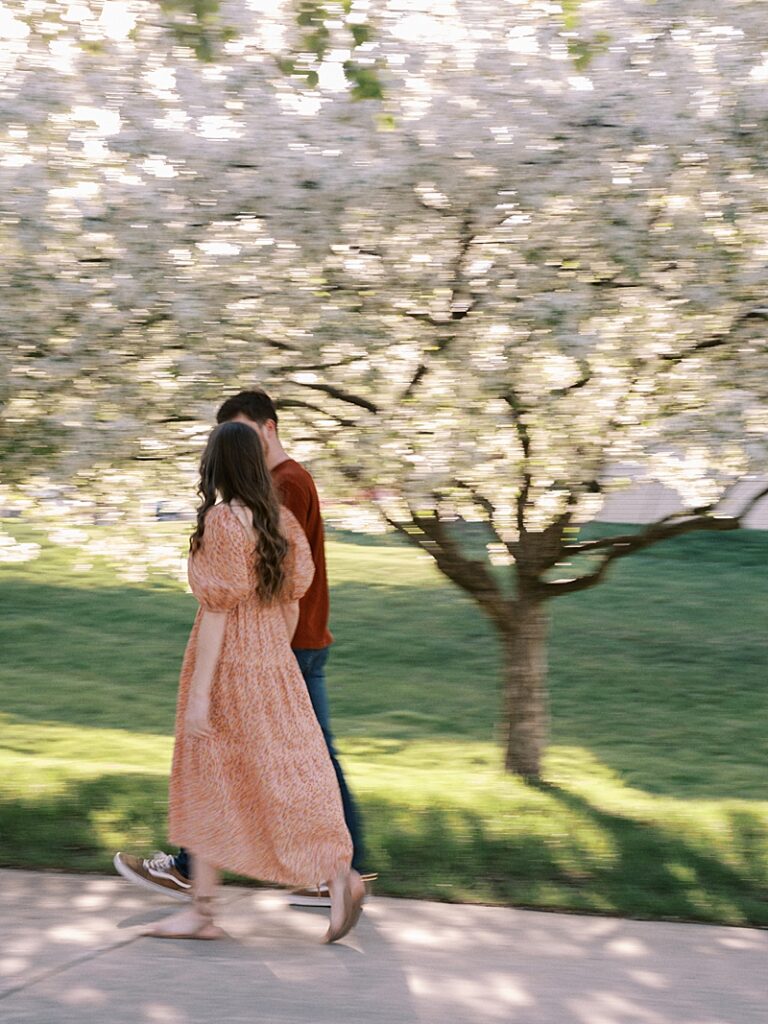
196, 721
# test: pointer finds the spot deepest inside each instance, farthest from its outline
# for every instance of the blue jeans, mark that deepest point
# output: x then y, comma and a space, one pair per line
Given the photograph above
312, 664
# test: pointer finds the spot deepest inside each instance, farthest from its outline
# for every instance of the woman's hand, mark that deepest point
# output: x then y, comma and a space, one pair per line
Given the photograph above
196, 718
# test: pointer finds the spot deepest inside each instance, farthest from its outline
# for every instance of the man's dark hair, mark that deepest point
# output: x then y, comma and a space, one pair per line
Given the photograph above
256, 405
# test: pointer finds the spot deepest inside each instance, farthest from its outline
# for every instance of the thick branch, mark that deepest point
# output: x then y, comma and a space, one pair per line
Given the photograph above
584, 379
296, 403
628, 544
750, 504
719, 339
427, 318
281, 346
662, 528
440, 346
487, 506
331, 365
457, 310
521, 427
340, 395
470, 574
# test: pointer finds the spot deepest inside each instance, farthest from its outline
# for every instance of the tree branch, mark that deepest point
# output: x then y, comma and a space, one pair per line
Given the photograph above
295, 403
427, 318
281, 346
455, 313
327, 366
754, 500
584, 379
517, 410
521, 427
340, 395
628, 544
423, 368
457, 310
721, 338
468, 573
487, 506
666, 526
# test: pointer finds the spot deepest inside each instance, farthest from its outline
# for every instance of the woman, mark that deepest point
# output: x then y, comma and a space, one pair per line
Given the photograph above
252, 786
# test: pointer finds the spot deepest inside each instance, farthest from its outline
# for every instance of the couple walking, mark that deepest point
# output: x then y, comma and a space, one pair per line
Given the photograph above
256, 787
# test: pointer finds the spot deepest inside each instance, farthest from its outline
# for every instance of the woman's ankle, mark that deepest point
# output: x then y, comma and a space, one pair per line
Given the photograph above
203, 906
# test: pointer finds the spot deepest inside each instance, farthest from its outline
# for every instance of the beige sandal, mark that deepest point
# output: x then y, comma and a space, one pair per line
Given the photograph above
353, 908
206, 930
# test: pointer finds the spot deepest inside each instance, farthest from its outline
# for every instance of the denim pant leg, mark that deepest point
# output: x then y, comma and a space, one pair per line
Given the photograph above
312, 664
181, 862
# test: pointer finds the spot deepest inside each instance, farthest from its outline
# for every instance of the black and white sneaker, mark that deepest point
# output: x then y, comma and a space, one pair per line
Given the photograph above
158, 874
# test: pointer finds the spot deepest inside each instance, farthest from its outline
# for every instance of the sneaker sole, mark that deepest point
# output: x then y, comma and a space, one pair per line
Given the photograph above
313, 901
144, 883
309, 901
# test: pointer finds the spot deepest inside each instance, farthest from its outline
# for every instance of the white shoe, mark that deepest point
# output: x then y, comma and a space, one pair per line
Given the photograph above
317, 896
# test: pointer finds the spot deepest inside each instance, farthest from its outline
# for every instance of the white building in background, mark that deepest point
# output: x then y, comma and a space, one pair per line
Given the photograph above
649, 500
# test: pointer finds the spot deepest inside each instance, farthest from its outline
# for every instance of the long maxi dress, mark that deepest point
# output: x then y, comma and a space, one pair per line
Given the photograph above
259, 797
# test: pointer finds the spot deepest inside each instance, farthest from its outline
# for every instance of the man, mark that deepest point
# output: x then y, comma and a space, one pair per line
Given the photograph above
296, 489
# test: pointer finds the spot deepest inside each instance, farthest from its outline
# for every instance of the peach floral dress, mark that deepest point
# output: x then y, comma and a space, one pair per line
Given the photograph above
259, 797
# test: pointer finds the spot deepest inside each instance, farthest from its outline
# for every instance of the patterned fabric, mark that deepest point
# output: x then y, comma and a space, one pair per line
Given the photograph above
260, 797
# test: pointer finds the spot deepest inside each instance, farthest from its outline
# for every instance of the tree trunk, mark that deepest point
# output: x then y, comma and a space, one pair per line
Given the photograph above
526, 714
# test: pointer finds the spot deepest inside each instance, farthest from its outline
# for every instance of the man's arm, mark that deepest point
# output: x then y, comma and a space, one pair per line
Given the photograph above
297, 499
296, 496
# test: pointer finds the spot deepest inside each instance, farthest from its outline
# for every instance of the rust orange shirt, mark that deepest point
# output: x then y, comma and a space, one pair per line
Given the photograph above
298, 493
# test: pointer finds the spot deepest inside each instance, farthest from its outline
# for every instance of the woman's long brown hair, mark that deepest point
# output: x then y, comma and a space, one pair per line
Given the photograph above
233, 466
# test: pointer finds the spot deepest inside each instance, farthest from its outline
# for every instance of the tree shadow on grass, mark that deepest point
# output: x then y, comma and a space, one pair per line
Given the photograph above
607, 864
681, 873
627, 868
82, 824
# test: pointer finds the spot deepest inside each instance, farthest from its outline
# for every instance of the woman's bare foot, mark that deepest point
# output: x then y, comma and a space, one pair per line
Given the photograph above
347, 891
195, 922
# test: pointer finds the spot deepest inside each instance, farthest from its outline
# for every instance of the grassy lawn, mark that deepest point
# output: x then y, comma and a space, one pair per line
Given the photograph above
655, 801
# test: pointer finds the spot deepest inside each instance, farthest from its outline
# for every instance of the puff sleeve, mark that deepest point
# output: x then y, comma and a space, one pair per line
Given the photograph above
298, 566
220, 572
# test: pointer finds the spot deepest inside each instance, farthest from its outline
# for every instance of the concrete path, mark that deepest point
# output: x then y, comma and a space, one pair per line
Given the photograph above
69, 952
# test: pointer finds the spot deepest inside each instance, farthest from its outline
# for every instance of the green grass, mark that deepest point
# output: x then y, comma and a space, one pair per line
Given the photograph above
654, 803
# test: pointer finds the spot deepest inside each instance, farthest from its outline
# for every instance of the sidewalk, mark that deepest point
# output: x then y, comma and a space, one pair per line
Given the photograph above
70, 954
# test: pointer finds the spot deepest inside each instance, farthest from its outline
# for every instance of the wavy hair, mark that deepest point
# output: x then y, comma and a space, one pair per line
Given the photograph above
233, 466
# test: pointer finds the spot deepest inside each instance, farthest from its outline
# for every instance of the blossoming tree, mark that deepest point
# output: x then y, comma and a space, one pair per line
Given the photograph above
485, 257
